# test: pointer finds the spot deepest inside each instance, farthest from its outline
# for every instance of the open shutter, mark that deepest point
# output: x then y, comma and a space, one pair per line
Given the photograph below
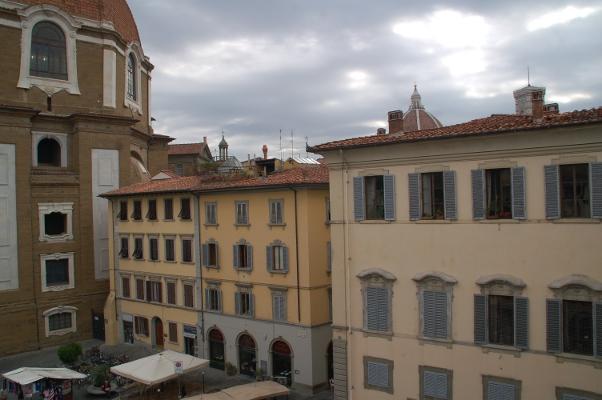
328, 256
449, 194
205, 255
521, 322
552, 191
148, 291
237, 302
553, 325
389, 194
480, 319
598, 329
596, 191
359, 210
478, 193
435, 385
249, 256
252, 304
519, 205
414, 193
219, 300
235, 256
285, 257
207, 305
268, 258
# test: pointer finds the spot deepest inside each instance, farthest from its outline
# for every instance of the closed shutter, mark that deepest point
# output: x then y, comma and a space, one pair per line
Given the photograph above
435, 385
414, 193
521, 322
207, 299
249, 257
377, 309
598, 329
219, 300
278, 305
359, 210
596, 192
235, 256
269, 258
553, 325
148, 291
449, 194
519, 205
480, 319
237, 302
205, 257
389, 196
251, 305
378, 374
328, 256
478, 193
285, 257
500, 391
434, 315
552, 191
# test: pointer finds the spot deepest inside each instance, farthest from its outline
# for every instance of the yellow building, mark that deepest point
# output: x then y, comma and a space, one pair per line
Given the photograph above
467, 259
236, 271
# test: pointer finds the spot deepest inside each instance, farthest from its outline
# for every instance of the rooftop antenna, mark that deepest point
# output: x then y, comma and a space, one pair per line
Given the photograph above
528, 76
292, 142
306, 144
281, 160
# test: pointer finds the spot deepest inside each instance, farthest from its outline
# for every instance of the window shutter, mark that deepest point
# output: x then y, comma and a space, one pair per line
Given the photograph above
595, 174
414, 192
449, 194
389, 196
249, 256
359, 210
148, 291
552, 191
434, 314
519, 205
207, 305
205, 257
521, 322
268, 258
378, 374
553, 326
328, 256
598, 329
252, 305
237, 302
478, 193
235, 256
219, 300
435, 385
500, 391
480, 319
377, 309
275, 311
285, 257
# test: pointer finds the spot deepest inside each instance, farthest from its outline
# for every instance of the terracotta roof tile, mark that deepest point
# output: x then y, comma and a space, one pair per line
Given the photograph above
302, 175
185, 148
483, 126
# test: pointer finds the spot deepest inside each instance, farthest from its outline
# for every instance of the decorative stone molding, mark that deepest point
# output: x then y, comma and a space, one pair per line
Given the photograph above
134, 105
422, 276
376, 273
61, 139
58, 310
501, 284
48, 208
57, 256
576, 280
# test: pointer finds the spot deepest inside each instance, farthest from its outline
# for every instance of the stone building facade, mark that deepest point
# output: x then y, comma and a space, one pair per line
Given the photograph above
74, 123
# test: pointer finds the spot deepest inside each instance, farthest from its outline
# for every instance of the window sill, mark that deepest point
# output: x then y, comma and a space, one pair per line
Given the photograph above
211, 225
374, 221
152, 220
168, 220
61, 332
139, 259
384, 335
154, 261
242, 225
56, 238
216, 267
185, 219
499, 221
576, 221
433, 221
501, 349
58, 288
170, 261
243, 269
569, 357
277, 225
187, 262
437, 342
137, 220
278, 272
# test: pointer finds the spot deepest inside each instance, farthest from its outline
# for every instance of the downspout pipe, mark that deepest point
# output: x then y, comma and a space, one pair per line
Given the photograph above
199, 272
345, 186
297, 257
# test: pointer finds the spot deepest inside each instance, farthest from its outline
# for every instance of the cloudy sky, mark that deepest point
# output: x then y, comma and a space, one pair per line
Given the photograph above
331, 69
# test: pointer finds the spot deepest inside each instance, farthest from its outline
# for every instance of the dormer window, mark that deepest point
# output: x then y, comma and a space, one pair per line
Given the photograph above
132, 90
48, 51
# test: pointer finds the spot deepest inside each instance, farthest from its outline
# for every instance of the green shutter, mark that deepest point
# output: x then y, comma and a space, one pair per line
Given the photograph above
596, 190
553, 325
414, 196
285, 257
359, 210
249, 257
389, 196
235, 262
268, 258
478, 193
552, 191
519, 204
521, 322
480, 319
449, 195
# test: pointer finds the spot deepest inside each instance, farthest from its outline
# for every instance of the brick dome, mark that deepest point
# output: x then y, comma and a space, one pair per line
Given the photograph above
115, 11
417, 118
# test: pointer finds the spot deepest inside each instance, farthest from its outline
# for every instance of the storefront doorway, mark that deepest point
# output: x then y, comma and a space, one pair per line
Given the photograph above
157, 332
282, 361
190, 340
216, 349
247, 355
128, 332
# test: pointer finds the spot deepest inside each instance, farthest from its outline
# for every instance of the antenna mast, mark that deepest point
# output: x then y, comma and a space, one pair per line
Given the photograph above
292, 143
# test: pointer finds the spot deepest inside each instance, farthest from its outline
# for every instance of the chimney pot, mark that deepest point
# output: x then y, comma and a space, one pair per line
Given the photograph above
529, 101
395, 121
265, 152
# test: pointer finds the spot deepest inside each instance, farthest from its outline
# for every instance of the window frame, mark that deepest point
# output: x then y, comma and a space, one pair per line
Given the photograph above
65, 208
171, 239
439, 283
136, 210
187, 239
562, 391
237, 221
171, 284
273, 218
433, 192
166, 216
140, 283
490, 378
151, 212
213, 289
124, 255
138, 239
153, 239
448, 372
390, 364
156, 291
211, 205
123, 215
127, 294
184, 296
170, 338
381, 280
378, 217
133, 102
489, 174
70, 267
283, 317
185, 213
588, 182
59, 310
250, 303
141, 326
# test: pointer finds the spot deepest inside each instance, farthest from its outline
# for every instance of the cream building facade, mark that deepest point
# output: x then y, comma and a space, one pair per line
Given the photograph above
254, 254
466, 259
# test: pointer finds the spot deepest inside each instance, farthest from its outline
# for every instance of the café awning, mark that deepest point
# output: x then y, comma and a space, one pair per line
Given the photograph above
249, 391
26, 375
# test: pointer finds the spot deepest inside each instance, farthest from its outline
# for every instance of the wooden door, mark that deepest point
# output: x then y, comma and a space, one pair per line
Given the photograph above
158, 332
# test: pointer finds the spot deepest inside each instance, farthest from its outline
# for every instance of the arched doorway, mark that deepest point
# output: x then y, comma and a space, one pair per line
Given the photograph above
247, 355
157, 338
329, 361
282, 361
216, 349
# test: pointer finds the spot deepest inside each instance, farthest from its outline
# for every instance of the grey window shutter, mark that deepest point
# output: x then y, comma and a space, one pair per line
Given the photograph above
414, 193
378, 374
359, 211
500, 391
275, 307
478, 193
519, 204
552, 191
250, 256
252, 304
480, 319
449, 195
219, 300
377, 309
216, 255
435, 384
553, 325
598, 328
207, 306
389, 194
434, 314
521, 322
268, 258
237, 302
205, 255
329, 256
235, 256
285, 257
596, 190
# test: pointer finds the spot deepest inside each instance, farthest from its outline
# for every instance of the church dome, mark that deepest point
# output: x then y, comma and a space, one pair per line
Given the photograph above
117, 12
417, 118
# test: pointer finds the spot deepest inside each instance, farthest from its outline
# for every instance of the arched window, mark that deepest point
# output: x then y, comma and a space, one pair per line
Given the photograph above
132, 87
49, 153
48, 51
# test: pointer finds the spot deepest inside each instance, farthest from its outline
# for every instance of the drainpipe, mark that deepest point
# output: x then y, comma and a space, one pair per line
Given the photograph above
199, 270
345, 186
297, 258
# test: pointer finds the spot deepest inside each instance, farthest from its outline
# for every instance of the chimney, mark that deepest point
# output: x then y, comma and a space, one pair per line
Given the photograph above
395, 121
529, 101
205, 139
265, 151
381, 131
